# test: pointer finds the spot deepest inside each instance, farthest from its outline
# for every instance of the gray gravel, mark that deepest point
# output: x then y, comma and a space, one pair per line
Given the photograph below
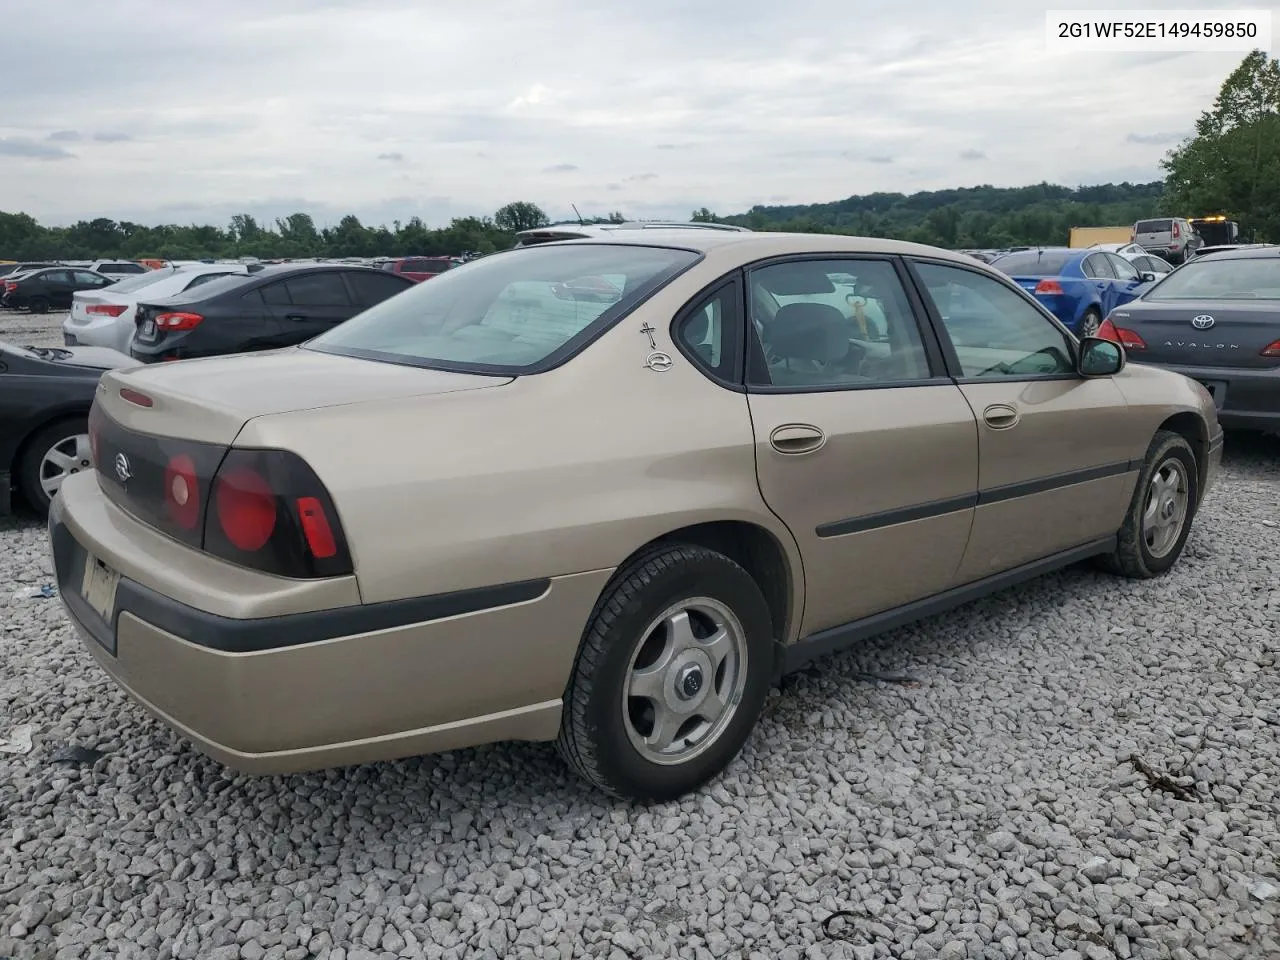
989, 812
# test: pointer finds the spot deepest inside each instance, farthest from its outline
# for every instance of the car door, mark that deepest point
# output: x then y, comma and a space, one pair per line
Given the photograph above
1055, 467
1097, 268
864, 448
317, 301
59, 286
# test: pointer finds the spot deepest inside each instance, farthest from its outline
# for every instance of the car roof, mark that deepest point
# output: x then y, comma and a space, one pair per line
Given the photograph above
763, 244
1259, 251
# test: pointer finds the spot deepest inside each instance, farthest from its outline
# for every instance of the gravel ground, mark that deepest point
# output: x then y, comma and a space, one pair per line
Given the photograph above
991, 810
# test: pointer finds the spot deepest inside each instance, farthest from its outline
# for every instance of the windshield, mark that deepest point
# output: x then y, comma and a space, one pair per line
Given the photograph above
510, 311
1243, 279
141, 280
1033, 263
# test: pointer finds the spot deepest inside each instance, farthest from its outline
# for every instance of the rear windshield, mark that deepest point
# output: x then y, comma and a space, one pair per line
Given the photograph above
141, 280
1032, 263
1153, 226
1243, 279
510, 311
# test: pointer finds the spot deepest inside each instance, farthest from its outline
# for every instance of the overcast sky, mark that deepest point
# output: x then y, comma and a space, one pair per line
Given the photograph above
167, 112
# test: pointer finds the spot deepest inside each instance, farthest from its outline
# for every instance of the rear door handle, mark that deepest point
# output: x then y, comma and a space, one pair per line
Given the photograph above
1000, 416
797, 438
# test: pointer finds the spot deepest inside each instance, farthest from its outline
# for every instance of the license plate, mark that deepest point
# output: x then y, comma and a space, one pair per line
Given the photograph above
99, 587
148, 329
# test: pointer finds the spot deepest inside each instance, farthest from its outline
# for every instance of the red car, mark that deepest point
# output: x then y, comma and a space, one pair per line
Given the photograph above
418, 269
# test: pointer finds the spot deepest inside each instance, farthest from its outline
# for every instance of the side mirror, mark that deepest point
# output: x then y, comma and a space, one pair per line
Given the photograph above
1099, 358
1146, 276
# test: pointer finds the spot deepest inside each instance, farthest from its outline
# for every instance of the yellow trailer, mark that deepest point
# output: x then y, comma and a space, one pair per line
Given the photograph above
1088, 236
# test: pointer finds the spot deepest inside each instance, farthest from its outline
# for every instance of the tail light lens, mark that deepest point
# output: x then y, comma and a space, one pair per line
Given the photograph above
1177, 230
105, 309
262, 509
1126, 338
178, 321
1049, 287
1272, 349
10, 286
271, 512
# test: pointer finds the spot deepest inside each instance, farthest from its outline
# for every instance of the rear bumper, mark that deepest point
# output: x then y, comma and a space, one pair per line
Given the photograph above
1246, 399
314, 689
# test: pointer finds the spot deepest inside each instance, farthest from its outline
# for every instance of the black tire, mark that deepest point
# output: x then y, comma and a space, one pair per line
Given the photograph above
1090, 323
33, 452
38, 305
1133, 557
594, 739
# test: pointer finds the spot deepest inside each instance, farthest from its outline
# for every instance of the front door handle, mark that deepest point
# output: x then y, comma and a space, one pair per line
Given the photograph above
796, 438
1001, 416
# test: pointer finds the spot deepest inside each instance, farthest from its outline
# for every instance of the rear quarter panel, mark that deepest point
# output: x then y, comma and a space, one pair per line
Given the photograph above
564, 472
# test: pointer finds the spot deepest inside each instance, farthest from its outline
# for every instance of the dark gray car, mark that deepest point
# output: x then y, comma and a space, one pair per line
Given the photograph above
1215, 319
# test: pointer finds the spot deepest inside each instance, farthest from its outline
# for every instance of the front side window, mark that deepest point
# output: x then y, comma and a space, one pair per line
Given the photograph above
318, 290
833, 323
995, 332
509, 311
1241, 279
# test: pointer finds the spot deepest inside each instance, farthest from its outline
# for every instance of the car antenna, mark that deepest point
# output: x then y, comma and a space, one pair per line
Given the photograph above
581, 222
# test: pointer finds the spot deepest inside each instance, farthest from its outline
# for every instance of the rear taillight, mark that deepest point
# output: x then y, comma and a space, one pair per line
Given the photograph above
1126, 338
1177, 231
1049, 287
1272, 349
105, 309
10, 286
178, 321
182, 492
270, 512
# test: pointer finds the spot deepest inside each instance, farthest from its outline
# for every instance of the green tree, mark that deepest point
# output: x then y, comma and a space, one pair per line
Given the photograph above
1232, 163
521, 215
703, 215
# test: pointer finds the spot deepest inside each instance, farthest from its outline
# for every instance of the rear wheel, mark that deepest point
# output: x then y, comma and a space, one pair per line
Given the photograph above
50, 456
1159, 519
1090, 323
38, 305
671, 676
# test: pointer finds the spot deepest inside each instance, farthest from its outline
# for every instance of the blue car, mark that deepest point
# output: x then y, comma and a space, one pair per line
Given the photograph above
1079, 287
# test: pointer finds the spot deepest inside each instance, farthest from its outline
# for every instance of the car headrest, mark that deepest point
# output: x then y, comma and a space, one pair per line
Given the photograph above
809, 331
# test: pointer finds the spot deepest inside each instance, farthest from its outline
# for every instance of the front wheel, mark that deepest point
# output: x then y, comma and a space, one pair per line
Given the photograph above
671, 675
1160, 513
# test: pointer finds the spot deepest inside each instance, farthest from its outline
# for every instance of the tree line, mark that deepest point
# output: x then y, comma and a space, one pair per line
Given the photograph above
1231, 165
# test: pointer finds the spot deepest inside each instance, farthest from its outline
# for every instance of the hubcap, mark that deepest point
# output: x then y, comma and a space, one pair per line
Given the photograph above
67, 456
685, 682
1167, 499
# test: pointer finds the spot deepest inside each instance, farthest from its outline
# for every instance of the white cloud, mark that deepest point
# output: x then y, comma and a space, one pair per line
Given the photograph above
661, 108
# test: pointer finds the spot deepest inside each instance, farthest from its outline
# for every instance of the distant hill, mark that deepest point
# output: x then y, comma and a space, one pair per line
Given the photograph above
983, 216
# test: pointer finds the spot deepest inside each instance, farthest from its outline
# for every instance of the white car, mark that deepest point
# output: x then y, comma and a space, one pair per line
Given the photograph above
118, 269
1126, 250
1145, 262
105, 318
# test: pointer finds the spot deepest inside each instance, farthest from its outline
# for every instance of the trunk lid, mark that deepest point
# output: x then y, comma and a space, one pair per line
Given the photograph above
210, 399
1207, 333
151, 420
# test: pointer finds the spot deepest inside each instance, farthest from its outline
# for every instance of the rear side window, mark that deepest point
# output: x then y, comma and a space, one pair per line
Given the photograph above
1153, 226
371, 288
710, 330
275, 294
318, 290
